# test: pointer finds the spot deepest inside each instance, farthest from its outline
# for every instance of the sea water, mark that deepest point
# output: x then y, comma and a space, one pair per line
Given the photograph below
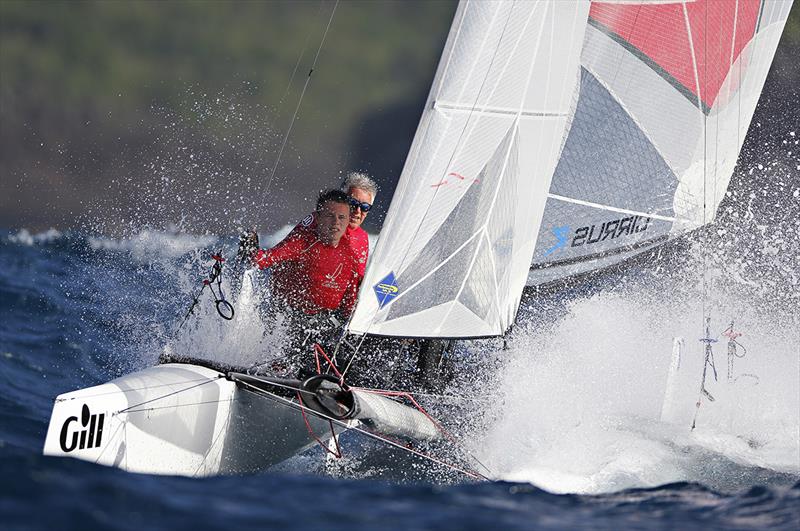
572, 435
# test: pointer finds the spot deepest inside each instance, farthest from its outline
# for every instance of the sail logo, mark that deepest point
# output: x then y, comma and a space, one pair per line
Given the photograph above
386, 290
562, 239
88, 433
591, 234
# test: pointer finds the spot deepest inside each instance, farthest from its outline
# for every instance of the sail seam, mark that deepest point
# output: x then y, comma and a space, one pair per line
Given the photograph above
463, 282
610, 208
411, 241
494, 277
452, 50
700, 104
760, 15
435, 269
501, 111
643, 57
733, 37
480, 52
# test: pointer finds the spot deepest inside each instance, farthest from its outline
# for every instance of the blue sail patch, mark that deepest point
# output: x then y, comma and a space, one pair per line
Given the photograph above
386, 290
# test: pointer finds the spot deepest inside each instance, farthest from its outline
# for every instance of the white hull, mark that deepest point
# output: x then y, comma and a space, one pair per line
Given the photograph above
179, 419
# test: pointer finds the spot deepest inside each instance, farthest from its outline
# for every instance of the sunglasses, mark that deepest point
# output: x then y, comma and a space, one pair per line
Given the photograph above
355, 203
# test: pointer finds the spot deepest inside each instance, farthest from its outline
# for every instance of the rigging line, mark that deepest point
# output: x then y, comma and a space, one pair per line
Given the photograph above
210, 380
221, 431
299, 102
274, 384
299, 59
175, 406
470, 473
431, 395
109, 440
703, 125
705, 162
132, 389
435, 422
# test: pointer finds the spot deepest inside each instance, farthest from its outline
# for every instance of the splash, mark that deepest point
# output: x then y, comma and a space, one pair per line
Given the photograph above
148, 244
592, 401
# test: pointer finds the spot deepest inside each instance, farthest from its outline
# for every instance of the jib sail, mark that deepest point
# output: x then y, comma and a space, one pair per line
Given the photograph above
456, 245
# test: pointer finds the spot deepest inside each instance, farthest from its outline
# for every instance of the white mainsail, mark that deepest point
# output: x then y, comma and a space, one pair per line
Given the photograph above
456, 245
667, 93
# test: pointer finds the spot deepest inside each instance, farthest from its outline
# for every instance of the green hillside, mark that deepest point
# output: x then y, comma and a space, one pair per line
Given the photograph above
145, 112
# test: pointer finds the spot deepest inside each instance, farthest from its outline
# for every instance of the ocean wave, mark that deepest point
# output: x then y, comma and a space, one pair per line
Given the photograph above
153, 243
24, 237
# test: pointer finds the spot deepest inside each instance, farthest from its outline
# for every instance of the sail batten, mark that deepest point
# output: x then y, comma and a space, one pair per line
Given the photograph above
455, 107
609, 207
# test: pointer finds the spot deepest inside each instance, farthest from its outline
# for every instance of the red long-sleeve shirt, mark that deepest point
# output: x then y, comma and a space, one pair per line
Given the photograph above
311, 276
357, 239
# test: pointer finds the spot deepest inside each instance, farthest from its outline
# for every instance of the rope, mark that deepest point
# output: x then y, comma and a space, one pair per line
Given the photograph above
338, 452
299, 59
299, 102
127, 409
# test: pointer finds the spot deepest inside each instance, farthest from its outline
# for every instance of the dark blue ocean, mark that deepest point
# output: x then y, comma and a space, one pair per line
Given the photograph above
78, 310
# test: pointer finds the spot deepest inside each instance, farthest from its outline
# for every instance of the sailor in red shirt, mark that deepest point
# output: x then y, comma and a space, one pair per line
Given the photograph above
313, 269
361, 191
314, 279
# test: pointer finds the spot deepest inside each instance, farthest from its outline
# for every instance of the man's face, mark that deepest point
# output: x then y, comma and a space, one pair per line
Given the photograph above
357, 215
332, 218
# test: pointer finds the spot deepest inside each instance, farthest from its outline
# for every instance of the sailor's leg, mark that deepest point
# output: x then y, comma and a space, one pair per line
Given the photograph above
432, 368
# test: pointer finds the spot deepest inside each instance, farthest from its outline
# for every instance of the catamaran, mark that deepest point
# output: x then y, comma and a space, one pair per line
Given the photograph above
558, 138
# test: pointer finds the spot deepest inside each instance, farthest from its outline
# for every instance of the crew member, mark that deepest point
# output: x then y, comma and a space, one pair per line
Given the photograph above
361, 191
314, 275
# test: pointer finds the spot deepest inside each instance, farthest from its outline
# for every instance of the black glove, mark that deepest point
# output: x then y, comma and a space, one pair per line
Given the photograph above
248, 246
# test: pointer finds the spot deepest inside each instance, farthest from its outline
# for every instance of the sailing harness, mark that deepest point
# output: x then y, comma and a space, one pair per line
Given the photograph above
224, 308
733, 353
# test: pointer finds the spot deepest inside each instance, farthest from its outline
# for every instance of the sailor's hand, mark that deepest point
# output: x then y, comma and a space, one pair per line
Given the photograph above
248, 246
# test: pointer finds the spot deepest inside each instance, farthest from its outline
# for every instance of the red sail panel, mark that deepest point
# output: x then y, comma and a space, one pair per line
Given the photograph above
719, 32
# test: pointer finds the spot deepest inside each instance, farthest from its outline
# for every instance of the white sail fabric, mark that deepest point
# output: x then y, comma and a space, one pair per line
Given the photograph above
457, 242
667, 93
